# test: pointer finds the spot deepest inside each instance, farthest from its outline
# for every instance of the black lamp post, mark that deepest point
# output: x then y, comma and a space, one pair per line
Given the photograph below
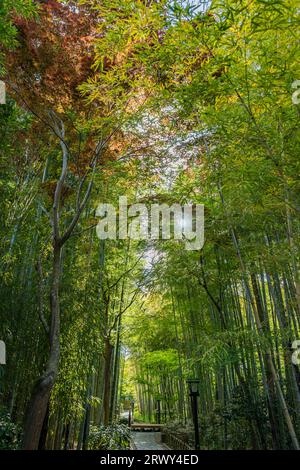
132, 411
158, 412
193, 385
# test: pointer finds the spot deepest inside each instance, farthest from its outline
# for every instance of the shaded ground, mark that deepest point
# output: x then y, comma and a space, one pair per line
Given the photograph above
148, 441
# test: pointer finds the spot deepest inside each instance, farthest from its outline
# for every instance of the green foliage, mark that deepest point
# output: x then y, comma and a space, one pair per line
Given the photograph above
9, 432
114, 437
8, 31
190, 107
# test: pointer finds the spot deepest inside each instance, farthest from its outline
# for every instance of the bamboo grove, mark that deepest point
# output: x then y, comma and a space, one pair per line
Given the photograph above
162, 102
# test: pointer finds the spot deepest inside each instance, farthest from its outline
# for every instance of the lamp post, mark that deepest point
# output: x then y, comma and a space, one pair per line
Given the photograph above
158, 412
130, 403
132, 411
193, 385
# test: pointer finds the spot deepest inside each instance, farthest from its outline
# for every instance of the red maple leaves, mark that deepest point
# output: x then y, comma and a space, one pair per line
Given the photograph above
55, 55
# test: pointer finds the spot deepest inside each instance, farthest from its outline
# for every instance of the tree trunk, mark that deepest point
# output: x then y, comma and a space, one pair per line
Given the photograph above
107, 379
37, 407
44, 432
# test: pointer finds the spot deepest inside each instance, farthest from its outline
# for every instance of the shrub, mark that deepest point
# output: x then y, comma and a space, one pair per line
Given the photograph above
114, 437
9, 432
123, 421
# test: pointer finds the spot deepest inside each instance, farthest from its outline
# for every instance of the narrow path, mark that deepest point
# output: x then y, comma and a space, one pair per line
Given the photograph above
148, 441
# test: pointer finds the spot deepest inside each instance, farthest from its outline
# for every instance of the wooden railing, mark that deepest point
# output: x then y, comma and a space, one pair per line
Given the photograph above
145, 427
173, 442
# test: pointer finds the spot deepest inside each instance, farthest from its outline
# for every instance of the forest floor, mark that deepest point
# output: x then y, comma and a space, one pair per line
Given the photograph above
148, 441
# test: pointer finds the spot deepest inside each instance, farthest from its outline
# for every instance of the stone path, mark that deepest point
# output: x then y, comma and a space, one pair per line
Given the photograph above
148, 441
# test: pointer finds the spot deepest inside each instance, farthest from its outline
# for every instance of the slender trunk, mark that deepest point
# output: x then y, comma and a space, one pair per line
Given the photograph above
37, 407
43, 438
107, 381
116, 372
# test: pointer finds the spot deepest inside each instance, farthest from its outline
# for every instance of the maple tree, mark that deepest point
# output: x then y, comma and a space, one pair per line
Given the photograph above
58, 55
